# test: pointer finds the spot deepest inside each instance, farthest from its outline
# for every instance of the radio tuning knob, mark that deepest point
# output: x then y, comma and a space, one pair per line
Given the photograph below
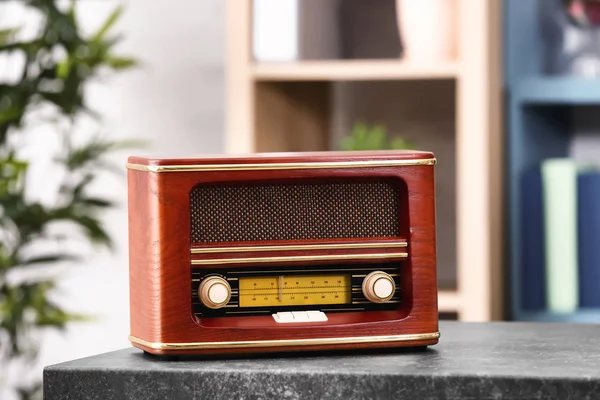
378, 287
214, 292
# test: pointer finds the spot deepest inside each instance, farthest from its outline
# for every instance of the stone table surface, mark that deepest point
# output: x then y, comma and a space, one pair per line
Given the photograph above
498, 360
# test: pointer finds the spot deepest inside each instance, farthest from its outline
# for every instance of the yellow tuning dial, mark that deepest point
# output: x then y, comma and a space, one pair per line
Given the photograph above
294, 290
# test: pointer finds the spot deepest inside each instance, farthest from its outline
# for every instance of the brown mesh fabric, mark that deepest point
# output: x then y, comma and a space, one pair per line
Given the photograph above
294, 211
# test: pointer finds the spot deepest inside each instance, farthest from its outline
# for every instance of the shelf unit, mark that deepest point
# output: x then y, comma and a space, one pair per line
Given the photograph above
294, 106
540, 118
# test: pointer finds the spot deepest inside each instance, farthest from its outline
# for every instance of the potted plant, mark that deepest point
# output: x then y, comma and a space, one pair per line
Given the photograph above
35, 233
373, 137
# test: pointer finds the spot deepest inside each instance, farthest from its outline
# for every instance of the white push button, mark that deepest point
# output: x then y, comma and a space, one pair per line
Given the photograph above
283, 317
299, 317
314, 316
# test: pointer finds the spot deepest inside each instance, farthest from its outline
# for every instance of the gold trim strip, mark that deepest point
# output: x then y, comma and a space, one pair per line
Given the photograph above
307, 270
299, 165
299, 247
283, 342
139, 167
300, 258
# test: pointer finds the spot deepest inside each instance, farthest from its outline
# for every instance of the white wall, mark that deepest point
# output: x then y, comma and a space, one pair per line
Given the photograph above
176, 102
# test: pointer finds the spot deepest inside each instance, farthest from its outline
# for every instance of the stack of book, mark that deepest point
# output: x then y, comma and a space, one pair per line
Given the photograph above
560, 227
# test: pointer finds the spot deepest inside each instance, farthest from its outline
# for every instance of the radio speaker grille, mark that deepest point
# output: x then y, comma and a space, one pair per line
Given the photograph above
299, 211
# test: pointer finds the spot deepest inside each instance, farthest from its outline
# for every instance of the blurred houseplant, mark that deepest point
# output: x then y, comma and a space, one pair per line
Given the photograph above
35, 235
374, 137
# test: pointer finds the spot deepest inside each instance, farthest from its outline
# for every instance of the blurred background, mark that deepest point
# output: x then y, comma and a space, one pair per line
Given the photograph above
505, 92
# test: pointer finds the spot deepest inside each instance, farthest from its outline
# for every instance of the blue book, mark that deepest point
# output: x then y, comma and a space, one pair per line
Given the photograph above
588, 209
533, 277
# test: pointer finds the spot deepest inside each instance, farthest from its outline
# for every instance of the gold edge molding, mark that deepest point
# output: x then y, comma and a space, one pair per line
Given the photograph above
302, 165
299, 247
245, 344
137, 167
299, 258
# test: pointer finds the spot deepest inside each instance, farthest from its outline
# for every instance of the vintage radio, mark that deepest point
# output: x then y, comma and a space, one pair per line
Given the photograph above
282, 252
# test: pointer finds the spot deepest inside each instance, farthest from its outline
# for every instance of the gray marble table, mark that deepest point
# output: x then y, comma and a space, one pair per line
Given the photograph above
472, 361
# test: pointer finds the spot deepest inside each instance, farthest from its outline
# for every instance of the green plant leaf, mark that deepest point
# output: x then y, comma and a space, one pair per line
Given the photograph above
120, 63
94, 150
88, 153
5, 258
54, 316
28, 47
10, 114
63, 68
7, 34
399, 143
71, 14
29, 218
94, 230
128, 144
76, 191
31, 392
96, 202
53, 258
110, 21
375, 137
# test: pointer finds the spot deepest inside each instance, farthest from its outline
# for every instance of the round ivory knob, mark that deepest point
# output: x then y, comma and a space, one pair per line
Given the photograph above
378, 287
214, 292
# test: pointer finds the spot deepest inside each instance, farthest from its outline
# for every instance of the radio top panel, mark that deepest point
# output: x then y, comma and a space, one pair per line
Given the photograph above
283, 161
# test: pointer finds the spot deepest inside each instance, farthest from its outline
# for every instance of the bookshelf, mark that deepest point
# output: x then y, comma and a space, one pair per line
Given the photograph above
543, 110
452, 108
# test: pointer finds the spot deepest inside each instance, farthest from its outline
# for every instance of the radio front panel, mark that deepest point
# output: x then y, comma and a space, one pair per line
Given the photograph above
311, 214
267, 291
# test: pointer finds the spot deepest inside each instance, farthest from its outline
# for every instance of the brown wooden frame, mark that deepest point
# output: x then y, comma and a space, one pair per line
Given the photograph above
162, 321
